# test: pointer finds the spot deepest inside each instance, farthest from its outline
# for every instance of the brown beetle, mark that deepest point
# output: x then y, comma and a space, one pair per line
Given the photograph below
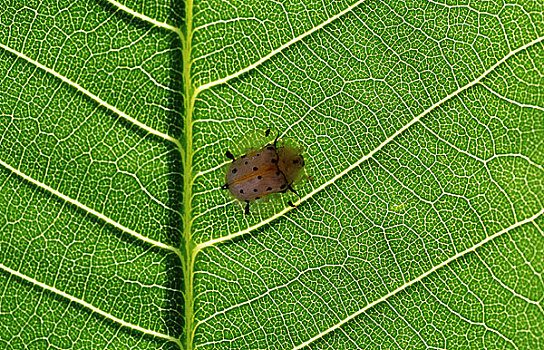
271, 169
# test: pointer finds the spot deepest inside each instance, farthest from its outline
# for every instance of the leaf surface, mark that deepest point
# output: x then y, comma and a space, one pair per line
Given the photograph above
422, 125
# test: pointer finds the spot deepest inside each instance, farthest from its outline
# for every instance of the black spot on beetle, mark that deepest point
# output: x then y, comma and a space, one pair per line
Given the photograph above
255, 168
254, 190
241, 191
258, 154
259, 177
245, 163
257, 197
234, 171
269, 189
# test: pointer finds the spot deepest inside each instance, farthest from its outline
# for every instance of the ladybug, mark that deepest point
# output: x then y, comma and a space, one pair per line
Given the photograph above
271, 169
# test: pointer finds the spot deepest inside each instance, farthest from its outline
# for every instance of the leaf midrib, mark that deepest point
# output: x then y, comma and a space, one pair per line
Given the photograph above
187, 161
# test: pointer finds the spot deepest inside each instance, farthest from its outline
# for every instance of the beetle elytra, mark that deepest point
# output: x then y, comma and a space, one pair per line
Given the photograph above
259, 173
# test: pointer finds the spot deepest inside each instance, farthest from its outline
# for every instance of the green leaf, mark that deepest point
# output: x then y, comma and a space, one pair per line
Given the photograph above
420, 226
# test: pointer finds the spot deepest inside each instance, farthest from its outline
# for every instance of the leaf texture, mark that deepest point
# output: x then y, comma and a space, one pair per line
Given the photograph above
422, 125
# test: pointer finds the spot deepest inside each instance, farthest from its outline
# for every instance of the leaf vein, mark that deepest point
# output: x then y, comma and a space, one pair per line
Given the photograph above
95, 98
91, 211
88, 306
229, 237
420, 278
147, 19
276, 51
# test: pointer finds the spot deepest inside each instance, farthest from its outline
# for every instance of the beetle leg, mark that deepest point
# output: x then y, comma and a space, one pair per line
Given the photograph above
229, 155
291, 204
267, 132
293, 190
247, 208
